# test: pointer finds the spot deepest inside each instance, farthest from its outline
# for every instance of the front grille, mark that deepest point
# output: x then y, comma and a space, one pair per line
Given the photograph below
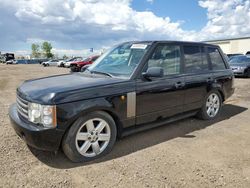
22, 107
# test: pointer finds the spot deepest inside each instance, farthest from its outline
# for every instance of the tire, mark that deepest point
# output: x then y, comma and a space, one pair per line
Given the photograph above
213, 105
83, 141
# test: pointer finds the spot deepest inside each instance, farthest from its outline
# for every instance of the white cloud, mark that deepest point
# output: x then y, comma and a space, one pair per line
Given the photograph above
229, 18
70, 52
150, 1
78, 24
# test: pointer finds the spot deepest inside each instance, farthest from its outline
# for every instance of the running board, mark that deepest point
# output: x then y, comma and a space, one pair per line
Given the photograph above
143, 127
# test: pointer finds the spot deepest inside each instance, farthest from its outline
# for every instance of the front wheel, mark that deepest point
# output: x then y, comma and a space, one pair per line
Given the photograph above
90, 137
211, 106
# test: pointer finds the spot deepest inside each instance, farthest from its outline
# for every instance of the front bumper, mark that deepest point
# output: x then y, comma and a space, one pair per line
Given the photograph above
38, 137
239, 72
75, 69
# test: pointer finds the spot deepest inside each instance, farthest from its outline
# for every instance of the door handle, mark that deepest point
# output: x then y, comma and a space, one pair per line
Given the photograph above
179, 85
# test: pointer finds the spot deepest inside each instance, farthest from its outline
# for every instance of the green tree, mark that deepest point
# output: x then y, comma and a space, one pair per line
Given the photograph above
47, 47
35, 50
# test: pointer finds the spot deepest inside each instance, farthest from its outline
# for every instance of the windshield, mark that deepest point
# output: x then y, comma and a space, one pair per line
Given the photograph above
240, 59
120, 61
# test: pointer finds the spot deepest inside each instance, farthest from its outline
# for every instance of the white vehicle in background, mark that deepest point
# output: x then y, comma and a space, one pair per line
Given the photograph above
12, 61
61, 62
50, 63
75, 59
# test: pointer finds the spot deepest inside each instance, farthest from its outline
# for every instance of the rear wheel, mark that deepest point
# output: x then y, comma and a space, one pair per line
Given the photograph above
90, 137
211, 106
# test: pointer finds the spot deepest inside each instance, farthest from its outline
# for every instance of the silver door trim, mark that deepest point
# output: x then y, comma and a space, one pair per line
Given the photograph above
131, 104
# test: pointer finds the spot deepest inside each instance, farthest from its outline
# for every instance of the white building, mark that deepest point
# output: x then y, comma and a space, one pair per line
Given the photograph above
234, 45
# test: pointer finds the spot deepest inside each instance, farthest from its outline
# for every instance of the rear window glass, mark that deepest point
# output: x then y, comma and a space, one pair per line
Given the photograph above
195, 59
216, 59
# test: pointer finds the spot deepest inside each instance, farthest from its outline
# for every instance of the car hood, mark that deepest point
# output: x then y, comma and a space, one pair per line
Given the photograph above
63, 88
239, 64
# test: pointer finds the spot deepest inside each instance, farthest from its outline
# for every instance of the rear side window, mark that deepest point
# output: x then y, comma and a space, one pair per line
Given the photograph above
167, 57
195, 59
216, 59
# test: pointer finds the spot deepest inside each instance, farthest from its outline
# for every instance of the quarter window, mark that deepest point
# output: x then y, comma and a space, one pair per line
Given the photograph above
216, 59
166, 57
195, 59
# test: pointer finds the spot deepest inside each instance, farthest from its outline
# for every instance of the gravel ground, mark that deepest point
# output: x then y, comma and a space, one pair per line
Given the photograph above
187, 153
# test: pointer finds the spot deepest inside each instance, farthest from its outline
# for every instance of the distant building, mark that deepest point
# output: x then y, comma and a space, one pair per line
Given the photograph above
234, 45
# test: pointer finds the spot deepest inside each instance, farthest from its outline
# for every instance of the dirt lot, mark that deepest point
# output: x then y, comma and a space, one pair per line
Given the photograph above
188, 153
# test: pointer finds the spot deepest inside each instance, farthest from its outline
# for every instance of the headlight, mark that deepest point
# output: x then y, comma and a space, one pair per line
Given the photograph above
42, 114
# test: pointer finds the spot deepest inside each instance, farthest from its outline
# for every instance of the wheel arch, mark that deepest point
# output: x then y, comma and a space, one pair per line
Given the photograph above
219, 88
107, 110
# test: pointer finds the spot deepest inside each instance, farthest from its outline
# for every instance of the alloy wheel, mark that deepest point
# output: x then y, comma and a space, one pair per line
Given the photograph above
212, 105
93, 137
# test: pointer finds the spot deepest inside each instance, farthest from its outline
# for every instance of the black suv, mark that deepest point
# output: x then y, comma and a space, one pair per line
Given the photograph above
132, 87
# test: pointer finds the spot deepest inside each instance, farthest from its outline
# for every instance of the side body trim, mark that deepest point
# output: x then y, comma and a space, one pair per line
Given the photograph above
131, 104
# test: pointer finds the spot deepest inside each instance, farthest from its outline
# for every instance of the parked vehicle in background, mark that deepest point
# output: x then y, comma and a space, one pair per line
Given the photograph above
50, 63
75, 59
240, 65
76, 66
13, 61
232, 55
7, 57
133, 87
61, 62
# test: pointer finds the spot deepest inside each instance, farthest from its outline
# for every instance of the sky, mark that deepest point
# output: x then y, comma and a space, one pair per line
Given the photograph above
75, 26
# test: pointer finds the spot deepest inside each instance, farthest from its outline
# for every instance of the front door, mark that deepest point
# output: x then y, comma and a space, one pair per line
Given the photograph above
163, 97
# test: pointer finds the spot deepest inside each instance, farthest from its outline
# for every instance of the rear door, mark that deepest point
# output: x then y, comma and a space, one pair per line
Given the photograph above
222, 73
198, 75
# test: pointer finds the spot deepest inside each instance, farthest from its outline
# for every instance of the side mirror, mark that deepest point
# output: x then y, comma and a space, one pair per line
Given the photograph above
156, 72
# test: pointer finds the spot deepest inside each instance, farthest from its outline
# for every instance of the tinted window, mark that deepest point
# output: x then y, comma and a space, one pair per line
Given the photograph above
216, 59
195, 59
167, 57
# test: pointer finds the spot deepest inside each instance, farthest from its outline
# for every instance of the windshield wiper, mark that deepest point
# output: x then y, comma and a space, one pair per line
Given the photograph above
98, 72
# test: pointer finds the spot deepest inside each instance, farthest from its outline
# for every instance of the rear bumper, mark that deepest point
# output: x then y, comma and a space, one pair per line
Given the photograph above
229, 93
35, 136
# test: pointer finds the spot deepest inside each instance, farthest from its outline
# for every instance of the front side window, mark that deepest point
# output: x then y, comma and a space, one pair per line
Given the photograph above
120, 61
167, 57
216, 59
195, 59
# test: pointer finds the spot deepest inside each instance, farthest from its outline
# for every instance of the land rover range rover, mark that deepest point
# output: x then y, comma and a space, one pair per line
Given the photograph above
132, 87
